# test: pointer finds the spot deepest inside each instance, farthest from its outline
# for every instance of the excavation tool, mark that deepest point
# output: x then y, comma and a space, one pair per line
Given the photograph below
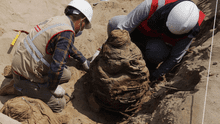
168, 87
177, 89
96, 53
163, 90
15, 39
19, 32
22, 31
70, 97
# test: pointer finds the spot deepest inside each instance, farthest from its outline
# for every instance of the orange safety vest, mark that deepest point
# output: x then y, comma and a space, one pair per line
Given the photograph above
143, 27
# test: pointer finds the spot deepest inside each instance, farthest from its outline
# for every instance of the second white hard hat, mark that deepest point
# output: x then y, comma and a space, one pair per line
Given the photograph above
182, 18
84, 7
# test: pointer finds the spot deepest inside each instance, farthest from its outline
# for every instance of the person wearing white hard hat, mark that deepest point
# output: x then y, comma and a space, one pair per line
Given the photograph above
163, 30
39, 63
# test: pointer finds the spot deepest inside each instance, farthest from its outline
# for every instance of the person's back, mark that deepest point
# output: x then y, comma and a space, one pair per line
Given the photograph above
32, 60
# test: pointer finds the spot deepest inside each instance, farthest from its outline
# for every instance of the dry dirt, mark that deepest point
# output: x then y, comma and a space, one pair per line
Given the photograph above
174, 107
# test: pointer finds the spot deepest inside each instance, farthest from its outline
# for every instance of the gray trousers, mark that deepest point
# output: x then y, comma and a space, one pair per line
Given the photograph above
154, 50
40, 91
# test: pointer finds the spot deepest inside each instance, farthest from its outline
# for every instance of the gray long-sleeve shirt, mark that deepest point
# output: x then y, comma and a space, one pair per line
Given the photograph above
133, 20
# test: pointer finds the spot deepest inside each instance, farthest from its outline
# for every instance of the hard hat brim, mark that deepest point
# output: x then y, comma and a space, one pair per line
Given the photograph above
85, 8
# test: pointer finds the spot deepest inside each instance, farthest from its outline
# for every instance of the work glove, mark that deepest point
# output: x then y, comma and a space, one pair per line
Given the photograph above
153, 81
155, 78
58, 92
86, 65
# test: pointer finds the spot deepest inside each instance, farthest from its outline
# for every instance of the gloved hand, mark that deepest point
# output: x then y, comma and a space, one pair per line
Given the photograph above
86, 65
153, 80
58, 92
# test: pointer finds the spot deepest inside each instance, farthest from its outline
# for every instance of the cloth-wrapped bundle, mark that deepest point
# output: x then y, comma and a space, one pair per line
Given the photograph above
119, 74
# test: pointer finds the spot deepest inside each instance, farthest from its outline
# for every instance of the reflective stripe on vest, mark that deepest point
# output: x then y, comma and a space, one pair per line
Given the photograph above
35, 48
155, 5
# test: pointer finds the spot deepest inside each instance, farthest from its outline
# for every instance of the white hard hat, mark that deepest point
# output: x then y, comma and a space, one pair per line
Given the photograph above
182, 18
84, 7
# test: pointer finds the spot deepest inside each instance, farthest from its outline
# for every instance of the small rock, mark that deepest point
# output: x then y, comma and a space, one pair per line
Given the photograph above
1, 31
94, 4
8, 71
214, 63
211, 74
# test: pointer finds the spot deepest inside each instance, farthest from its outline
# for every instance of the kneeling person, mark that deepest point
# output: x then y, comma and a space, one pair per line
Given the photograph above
39, 62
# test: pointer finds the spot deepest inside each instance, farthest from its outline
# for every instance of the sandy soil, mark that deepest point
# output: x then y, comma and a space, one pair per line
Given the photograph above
179, 107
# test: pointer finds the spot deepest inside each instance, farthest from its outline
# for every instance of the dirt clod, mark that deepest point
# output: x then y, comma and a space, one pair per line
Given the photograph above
8, 71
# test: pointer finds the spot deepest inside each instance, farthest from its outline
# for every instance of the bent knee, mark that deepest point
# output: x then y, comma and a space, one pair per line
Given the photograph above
66, 76
156, 51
